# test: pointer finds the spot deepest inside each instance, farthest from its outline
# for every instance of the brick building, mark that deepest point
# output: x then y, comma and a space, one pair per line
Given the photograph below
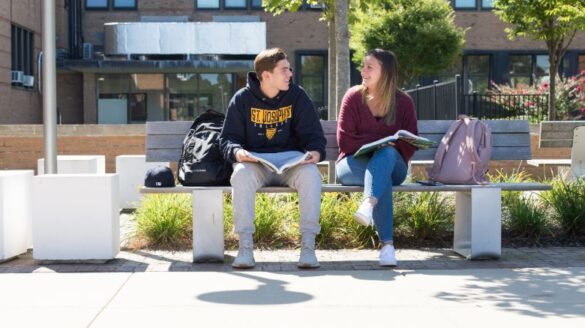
128, 61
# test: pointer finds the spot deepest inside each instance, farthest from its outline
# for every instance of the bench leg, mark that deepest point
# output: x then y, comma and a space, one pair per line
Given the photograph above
207, 225
478, 223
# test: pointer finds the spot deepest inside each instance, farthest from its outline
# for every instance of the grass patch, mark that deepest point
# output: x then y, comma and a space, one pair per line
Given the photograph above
164, 221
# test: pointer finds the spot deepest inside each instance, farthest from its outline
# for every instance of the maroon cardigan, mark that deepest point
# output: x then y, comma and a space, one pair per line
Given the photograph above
356, 126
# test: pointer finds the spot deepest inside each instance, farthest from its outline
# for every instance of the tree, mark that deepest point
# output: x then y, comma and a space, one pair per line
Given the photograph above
421, 33
555, 22
338, 74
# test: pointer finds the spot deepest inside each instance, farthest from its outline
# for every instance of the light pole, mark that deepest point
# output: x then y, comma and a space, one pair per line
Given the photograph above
49, 87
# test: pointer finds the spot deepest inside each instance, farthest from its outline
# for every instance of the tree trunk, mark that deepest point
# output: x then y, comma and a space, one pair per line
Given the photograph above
341, 50
331, 85
553, 68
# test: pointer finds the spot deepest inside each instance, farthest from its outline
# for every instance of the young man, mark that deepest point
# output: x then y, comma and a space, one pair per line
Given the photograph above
273, 115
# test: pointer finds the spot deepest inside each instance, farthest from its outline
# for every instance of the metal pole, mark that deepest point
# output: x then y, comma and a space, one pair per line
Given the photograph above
49, 87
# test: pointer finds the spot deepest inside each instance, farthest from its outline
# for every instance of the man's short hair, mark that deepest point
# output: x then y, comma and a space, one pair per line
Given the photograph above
267, 60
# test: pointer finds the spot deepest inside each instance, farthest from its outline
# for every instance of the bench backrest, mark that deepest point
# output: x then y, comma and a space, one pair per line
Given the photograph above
558, 133
510, 139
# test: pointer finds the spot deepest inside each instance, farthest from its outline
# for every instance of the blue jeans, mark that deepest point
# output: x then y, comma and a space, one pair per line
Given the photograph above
378, 173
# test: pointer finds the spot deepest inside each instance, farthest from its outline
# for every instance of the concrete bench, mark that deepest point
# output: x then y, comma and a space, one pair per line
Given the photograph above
564, 134
478, 208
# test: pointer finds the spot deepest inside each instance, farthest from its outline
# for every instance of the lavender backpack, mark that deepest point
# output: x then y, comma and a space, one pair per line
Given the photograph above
463, 154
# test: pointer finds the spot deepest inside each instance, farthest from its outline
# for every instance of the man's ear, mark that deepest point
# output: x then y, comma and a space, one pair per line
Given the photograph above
266, 76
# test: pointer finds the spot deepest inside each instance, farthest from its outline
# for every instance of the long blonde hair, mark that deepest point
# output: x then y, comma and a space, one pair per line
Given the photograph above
386, 88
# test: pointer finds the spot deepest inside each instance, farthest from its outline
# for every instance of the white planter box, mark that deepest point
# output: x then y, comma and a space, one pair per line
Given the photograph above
76, 164
15, 212
132, 170
76, 217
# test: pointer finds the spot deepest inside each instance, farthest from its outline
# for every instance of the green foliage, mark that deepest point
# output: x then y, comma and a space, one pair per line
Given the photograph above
164, 220
567, 199
525, 218
421, 33
338, 227
544, 20
516, 176
276, 220
429, 215
555, 22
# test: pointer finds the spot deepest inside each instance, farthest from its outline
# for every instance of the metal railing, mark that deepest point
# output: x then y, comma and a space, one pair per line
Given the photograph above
532, 107
437, 101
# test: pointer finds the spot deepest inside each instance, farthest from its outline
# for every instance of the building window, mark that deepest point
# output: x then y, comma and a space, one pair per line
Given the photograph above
96, 4
464, 4
520, 69
312, 76
477, 72
22, 44
256, 4
124, 4
581, 66
190, 94
235, 4
207, 4
541, 69
487, 4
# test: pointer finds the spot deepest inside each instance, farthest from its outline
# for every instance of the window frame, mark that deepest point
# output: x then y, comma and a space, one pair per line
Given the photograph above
219, 6
107, 7
299, 74
114, 7
247, 4
467, 75
252, 7
22, 52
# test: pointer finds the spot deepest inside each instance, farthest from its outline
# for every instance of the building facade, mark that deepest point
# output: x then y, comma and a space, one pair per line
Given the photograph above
131, 61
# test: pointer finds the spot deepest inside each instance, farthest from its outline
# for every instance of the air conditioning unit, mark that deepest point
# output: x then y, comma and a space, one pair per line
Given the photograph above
28, 81
87, 51
17, 77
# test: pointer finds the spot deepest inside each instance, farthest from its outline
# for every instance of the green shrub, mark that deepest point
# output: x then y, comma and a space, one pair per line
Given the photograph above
276, 221
509, 197
429, 215
567, 200
338, 227
526, 218
164, 220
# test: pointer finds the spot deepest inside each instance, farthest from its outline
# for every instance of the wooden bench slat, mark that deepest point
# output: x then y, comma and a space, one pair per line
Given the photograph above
168, 127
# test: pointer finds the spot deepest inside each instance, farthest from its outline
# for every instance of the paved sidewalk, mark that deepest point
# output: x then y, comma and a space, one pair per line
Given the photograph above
285, 260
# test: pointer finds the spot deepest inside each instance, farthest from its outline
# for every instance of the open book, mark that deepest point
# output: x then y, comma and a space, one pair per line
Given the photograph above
280, 162
418, 142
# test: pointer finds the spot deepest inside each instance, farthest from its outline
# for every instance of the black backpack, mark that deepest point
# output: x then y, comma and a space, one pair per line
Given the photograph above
201, 162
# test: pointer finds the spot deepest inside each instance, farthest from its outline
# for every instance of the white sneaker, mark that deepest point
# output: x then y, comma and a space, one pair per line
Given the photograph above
308, 259
364, 213
388, 256
245, 258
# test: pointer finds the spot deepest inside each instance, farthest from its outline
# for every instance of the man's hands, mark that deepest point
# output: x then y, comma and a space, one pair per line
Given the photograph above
314, 157
243, 155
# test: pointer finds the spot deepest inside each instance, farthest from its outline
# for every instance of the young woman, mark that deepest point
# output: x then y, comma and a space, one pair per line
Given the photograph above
370, 111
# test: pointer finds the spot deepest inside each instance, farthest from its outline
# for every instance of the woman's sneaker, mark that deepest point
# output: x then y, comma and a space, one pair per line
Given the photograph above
388, 256
364, 213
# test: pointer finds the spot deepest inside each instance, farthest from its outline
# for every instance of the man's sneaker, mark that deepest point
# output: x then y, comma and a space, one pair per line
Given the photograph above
245, 258
388, 256
364, 213
308, 259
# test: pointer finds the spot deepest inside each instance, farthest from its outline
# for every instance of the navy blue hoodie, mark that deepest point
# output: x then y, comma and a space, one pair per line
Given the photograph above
256, 123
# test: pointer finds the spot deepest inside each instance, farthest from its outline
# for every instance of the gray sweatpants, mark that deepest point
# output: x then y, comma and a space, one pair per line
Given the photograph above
249, 177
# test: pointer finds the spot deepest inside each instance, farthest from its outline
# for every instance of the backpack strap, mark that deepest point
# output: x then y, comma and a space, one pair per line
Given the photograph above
442, 149
471, 145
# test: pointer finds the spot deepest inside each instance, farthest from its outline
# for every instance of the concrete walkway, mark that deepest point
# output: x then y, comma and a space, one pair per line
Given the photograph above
529, 287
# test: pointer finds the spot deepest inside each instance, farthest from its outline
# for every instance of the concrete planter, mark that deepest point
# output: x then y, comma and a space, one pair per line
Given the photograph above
15, 212
76, 217
76, 164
